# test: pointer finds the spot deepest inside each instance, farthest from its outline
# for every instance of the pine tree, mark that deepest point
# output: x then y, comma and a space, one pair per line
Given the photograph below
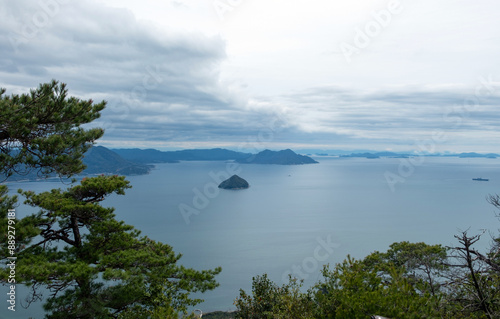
42, 131
97, 267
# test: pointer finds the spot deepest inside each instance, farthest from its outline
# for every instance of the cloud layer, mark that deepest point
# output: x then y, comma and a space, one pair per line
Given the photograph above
169, 88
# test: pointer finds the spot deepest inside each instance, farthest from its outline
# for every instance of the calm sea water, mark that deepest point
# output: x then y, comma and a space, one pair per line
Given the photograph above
294, 219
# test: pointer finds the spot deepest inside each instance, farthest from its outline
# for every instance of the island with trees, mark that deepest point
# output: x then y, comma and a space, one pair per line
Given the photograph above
234, 182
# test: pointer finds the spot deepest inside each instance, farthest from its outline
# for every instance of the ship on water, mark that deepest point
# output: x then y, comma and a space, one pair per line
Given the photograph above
480, 179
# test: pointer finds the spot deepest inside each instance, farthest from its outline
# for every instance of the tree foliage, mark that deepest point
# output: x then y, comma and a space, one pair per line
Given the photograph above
354, 290
97, 267
269, 300
409, 280
42, 130
475, 280
421, 264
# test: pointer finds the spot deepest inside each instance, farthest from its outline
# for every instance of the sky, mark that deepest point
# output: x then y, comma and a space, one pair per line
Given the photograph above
395, 75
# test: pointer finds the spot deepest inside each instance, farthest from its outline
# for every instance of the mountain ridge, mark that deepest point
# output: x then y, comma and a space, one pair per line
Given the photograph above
101, 160
283, 157
156, 156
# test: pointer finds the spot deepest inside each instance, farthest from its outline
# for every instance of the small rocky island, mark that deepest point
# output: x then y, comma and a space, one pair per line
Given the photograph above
234, 182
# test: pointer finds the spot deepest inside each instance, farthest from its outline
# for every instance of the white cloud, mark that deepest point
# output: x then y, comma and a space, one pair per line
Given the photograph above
174, 73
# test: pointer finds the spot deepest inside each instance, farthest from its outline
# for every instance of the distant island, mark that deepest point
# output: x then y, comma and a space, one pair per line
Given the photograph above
98, 160
476, 155
234, 182
149, 156
101, 160
285, 157
392, 154
377, 155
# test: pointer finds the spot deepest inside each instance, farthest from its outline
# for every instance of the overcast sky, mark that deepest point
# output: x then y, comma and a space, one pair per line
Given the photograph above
255, 74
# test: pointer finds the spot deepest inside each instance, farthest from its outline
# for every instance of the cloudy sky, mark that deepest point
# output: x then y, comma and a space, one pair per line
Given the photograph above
324, 74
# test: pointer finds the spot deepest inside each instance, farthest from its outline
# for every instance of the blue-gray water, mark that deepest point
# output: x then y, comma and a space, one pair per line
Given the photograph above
294, 219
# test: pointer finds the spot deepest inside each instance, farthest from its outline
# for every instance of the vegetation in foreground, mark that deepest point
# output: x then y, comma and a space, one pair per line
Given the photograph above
410, 280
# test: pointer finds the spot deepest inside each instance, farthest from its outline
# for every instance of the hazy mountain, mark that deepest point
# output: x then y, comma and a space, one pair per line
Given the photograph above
145, 156
100, 160
377, 155
284, 157
155, 156
472, 155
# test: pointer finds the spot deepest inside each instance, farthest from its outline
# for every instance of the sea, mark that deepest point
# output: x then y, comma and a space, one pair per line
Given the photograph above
294, 220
